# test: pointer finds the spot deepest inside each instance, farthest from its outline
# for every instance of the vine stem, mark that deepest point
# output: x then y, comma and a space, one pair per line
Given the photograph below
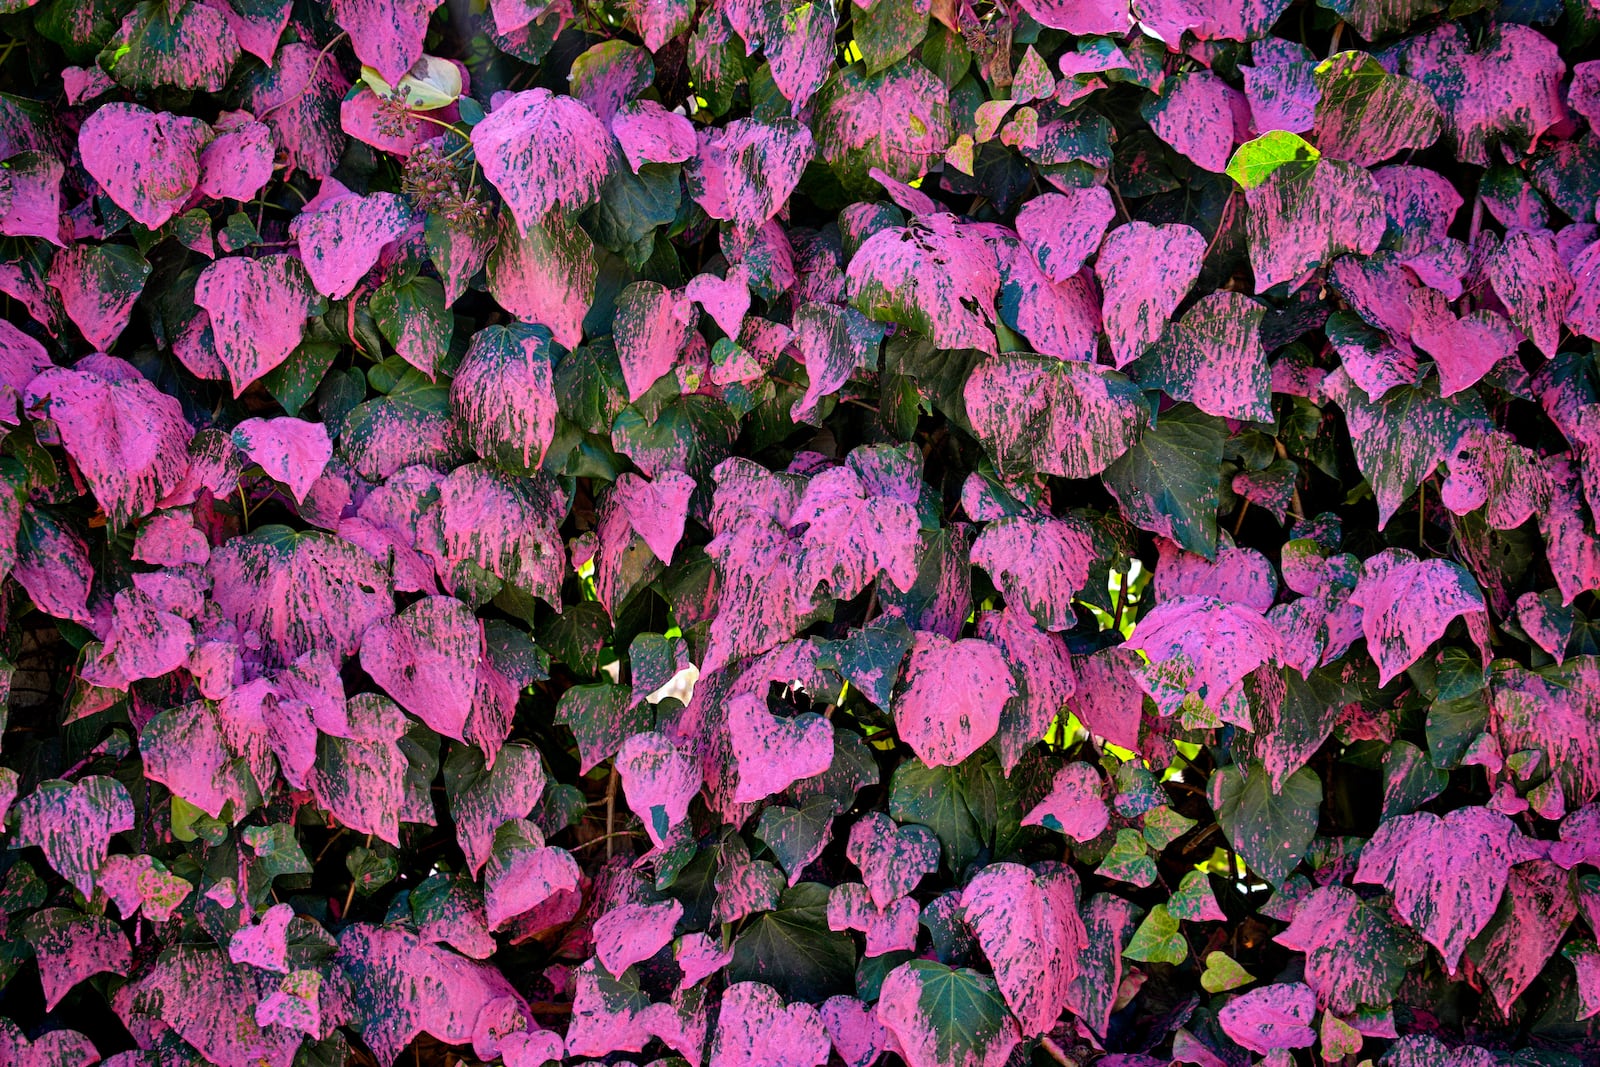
611, 811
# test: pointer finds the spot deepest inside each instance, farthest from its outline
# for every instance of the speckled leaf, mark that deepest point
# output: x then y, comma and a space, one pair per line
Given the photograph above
1272, 1017
412, 316
744, 172
53, 566
1042, 666
292, 451
1213, 358
148, 162
772, 752
191, 47
854, 534
897, 120
1538, 906
1355, 956
340, 242
936, 277
98, 286
128, 438
222, 1021
73, 824
504, 394
426, 657
500, 524
1145, 271
1508, 88
1465, 348
1528, 275
756, 1029
543, 272
1202, 647
1366, 115
543, 151
1027, 922
892, 858
652, 329
386, 34
632, 933
1062, 230
1269, 831
1407, 603
299, 591
1040, 564
1555, 711
1075, 805
1302, 219
952, 703
602, 717
1446, 874
71, 946
1194, 114
946, 1017
1050, 416
258, 310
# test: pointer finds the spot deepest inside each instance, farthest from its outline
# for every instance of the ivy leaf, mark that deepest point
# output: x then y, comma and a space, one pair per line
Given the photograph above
1300, 220
1366, 115
192, 48
291, 451
258, 310
73, 824
98, 287
897, 120
1168, 481
504, 394
412, 316
1040, 564
937, 277
1270, 831
1075, 805
543, 151
1213, 358
1256, 160
951, 706
1145, 272
1222, 974
1354, 955
1271, 1018
148, 162
745, 171
754, 1026
792, 949
946, 1017
1027, 922
1158, 940
1040, 414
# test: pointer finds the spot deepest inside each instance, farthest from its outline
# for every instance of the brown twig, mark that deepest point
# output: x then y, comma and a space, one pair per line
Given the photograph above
611, 810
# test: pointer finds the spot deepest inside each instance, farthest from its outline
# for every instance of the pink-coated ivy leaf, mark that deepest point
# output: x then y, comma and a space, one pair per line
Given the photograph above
857, 1035
258, 27
386, 34
952, 703
1043, 666
223, 1021
1145, 271
190, 48
853, 535
1508, 89
292, 451
652, 328
1068, 419
756, 1029
144, 641
1075, 806
1203, 647
73, 824
1464, 348
148, 162
340, 242
264, 944
1213, 358
1407, 603
1553, 711
401, 987
426, 657
834, 343
238, 161
128, 438
725, 299
1538, 906
1574, 552
1300, 219
1061, 319
56, 1048
1493, 472
1195, 116
744, 172
632, 933
523, 873
71, 946
1027, 922
98, 286
504, 525
892, 928
699, 957
938, 277
656, 509
1039, 563
53, 566
258, 310
1281, 88
299, 98
1527, 273
649, 133
1421, 205
34, 207
1062, 230
543, 272
299, 591
142, 884
1542, 618
1272, 1017
1446, 874
504, 394
543, 151
1241, 575
892, 858
658, 781
772, 752
484, 799
1354, 954
1095, 16
200, 752
940, 1016
1366, 114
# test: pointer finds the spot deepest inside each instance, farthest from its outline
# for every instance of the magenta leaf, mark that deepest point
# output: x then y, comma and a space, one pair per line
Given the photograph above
53, 566
772, 752
1272, 1017
1214, 359
652, 328
1407, 603
744, 172
386, 34
292, 451
482, 799
756, 1029
1069, 419
264, 944
1061, 230
857, 1035
426, 657
1527, 273
633, 933
1145, 272
897, 120
238, 161
1538, 906
258, 310
938, 277
853, 535
1195, 116
98, 286
952, 703
649, 133
1300, 219
523, 873
1040, 564
1043, 668
1027, 922
148, 162
1200, 649
1366, 114
71, 946
340, 242
892, 858
543, 151
1354, 954
659, 782
1553, 711
1465, 348
1446, 874
946, 1017
128, 438
543, 272
73, 824
1075, 805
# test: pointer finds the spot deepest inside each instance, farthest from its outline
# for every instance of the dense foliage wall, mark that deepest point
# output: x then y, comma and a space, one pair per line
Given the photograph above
762, 534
